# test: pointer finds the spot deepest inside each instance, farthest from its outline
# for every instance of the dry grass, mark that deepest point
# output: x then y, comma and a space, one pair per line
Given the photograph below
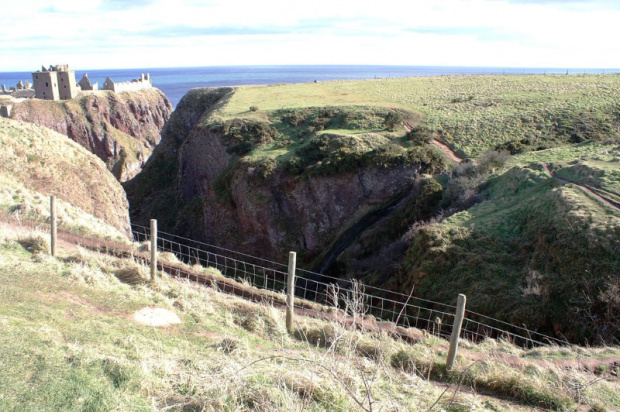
229, 354
37, 162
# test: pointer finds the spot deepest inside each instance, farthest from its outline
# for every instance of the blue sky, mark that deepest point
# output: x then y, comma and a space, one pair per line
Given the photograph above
98, 34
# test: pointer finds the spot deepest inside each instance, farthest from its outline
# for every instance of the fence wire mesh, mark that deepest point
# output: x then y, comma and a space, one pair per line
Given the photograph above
310, 287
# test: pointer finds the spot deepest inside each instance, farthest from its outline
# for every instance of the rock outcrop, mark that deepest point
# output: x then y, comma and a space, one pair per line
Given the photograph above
121, 129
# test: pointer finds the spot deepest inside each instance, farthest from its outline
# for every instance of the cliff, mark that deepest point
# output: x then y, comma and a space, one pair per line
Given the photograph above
38, 162
121, 129
220, 181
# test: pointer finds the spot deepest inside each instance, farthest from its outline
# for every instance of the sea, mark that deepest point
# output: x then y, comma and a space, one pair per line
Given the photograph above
175, 82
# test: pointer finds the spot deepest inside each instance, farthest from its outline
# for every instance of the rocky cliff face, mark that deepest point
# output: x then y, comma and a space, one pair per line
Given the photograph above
196, 184
121, 129
272, 212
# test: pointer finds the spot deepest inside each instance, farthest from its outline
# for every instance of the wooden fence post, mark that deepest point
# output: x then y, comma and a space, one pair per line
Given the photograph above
290, 291
153, 249
456, 331
54, 230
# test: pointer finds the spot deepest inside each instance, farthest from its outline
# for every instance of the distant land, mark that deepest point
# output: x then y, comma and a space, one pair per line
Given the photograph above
175, 82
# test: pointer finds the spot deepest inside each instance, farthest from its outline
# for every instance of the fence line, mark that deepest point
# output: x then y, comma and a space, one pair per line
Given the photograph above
382, 304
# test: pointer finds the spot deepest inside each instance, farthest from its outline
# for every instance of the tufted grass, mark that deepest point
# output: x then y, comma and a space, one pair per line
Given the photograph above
69, 343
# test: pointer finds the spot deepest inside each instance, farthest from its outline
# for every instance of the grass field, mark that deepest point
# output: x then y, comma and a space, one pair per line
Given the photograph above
473, 113
71, 341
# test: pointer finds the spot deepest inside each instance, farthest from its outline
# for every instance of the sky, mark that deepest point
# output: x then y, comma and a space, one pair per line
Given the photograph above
105, 34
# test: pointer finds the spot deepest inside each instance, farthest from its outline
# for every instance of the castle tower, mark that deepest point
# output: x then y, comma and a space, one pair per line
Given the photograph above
57, 82
67, 87
46, 85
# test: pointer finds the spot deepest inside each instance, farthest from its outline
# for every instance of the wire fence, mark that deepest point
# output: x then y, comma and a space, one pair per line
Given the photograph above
346, 295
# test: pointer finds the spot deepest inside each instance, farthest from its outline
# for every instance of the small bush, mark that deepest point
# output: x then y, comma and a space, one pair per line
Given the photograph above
229, 345
319, 336
241, 135
374, 350
420, 136
392, 120
462, 99
35, 244
168, 257
308, 388
253, 108
404, 360
121, 376
492, 161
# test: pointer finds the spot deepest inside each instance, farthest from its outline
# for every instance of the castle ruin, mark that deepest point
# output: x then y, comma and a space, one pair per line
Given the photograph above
55, 83
144, 82
58, 83
85, 83
20, 91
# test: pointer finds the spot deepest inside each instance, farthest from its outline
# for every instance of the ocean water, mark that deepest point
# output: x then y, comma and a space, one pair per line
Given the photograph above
175, 82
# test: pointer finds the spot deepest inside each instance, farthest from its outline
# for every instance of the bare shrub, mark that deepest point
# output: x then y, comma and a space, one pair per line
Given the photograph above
492, 161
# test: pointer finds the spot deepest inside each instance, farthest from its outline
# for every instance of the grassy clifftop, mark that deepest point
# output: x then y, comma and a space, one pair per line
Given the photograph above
471, 113
531, 209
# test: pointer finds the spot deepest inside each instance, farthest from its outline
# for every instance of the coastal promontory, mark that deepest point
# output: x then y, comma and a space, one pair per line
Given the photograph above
120, 128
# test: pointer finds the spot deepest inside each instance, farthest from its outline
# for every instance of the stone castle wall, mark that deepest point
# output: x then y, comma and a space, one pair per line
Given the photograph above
144, 82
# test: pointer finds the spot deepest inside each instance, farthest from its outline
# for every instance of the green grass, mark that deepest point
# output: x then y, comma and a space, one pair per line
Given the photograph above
502, 230
531, 245
521, 112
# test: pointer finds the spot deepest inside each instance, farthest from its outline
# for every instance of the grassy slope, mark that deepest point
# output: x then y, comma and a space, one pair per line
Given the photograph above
530, 223
536, 248
69, 343
37, 162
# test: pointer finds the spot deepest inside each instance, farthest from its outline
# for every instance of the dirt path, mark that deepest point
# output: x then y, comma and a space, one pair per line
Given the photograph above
445, 149
585, 188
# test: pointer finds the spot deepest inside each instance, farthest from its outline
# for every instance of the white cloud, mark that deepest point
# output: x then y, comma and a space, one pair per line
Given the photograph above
150, 33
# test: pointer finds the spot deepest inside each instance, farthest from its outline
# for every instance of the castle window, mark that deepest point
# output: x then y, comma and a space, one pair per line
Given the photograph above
47, 84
